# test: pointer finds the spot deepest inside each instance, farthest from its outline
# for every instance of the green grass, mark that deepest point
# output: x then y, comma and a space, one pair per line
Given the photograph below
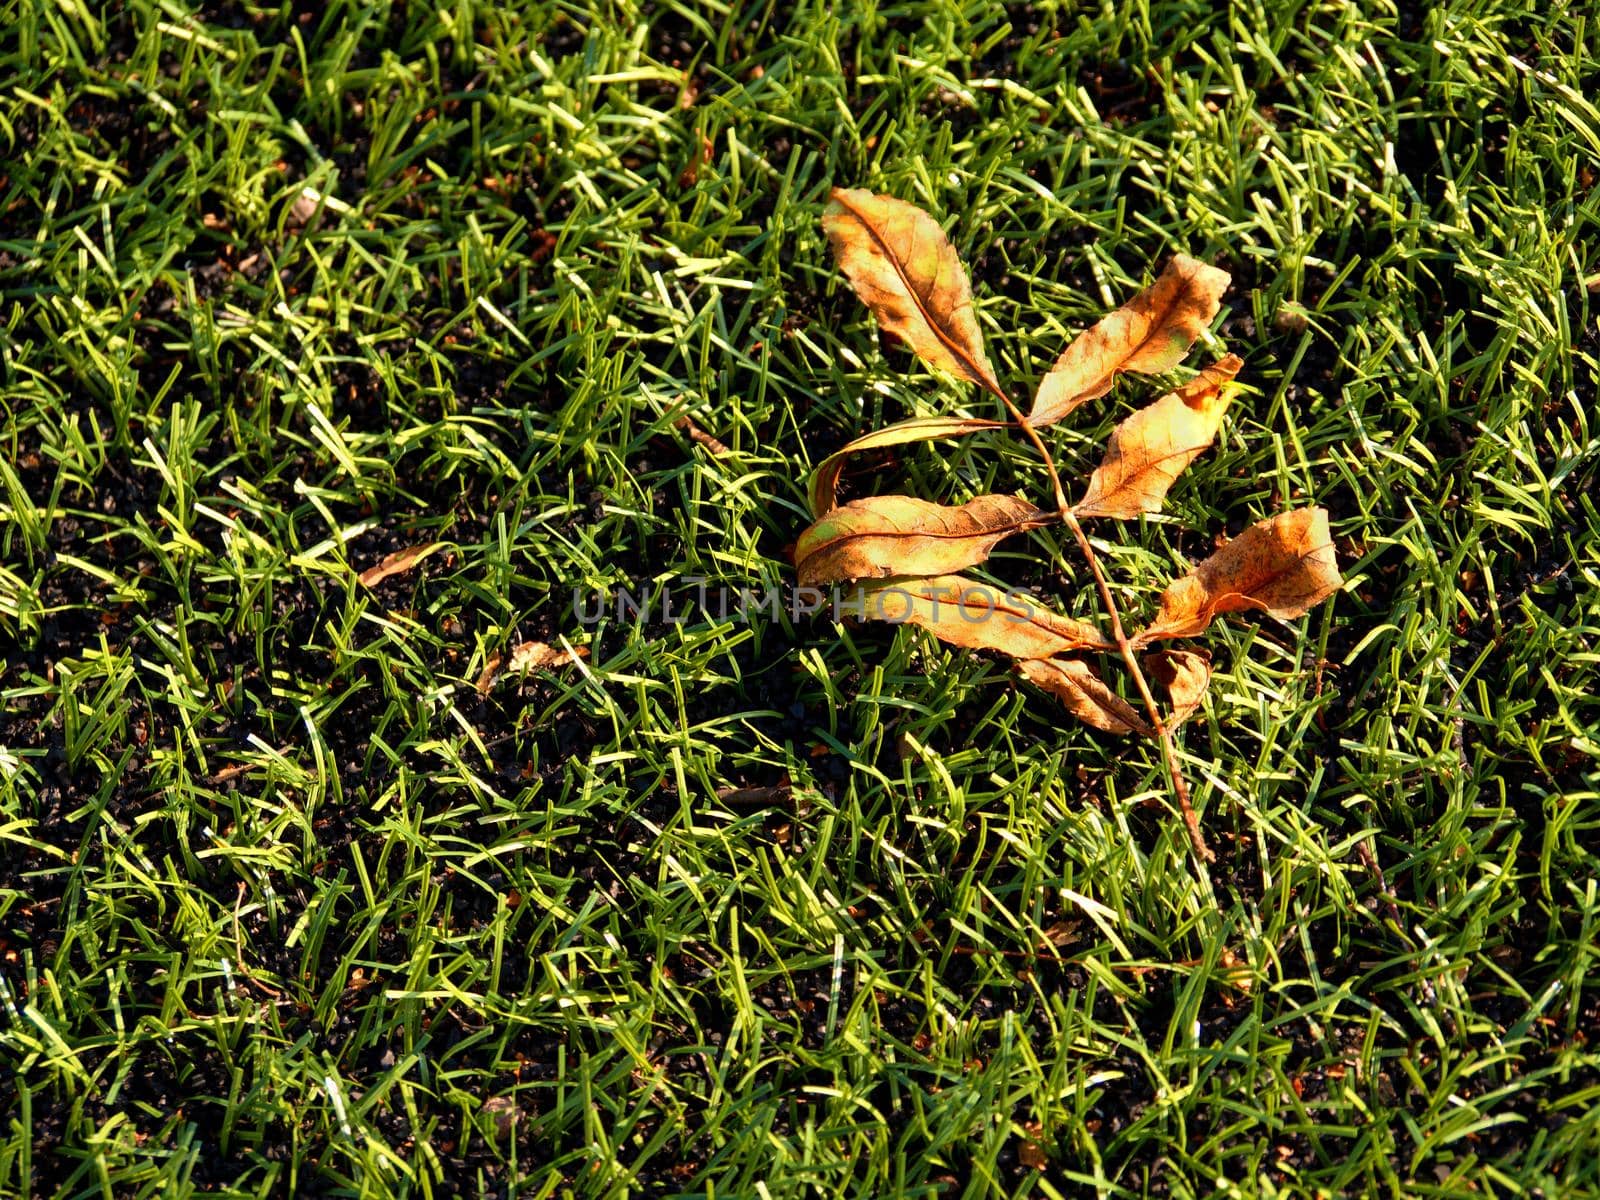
285, 907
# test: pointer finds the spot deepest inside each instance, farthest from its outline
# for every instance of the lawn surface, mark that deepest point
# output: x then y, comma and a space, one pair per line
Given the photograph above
775, 908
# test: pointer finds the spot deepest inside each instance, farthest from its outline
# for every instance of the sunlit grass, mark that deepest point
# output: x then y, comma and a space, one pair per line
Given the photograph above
776, 907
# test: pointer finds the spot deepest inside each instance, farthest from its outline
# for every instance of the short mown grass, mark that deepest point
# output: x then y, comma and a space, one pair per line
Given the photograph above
776, 907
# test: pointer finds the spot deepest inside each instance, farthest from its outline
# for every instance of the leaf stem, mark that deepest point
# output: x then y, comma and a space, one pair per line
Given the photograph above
1169, 751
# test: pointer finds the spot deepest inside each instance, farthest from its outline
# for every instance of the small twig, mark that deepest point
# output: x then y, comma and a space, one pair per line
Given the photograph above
1169, 751
685, 422
1370, 861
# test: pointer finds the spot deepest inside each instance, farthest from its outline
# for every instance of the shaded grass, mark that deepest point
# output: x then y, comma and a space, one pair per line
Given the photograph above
760, 907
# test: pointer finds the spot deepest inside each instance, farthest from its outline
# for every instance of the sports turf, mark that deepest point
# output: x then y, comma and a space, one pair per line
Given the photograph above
774, 907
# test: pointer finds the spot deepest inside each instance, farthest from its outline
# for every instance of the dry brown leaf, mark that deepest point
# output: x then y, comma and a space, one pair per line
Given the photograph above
1031, 1151
1061, 933
1185, 674
1291, 318
1075, 683
900, 535
397, 563
977, 616
907, 272
524, 657
1150, 334
1152, 448
1281, 566
487, 676
825, 479
502, 1112
304, 208
1236, 971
